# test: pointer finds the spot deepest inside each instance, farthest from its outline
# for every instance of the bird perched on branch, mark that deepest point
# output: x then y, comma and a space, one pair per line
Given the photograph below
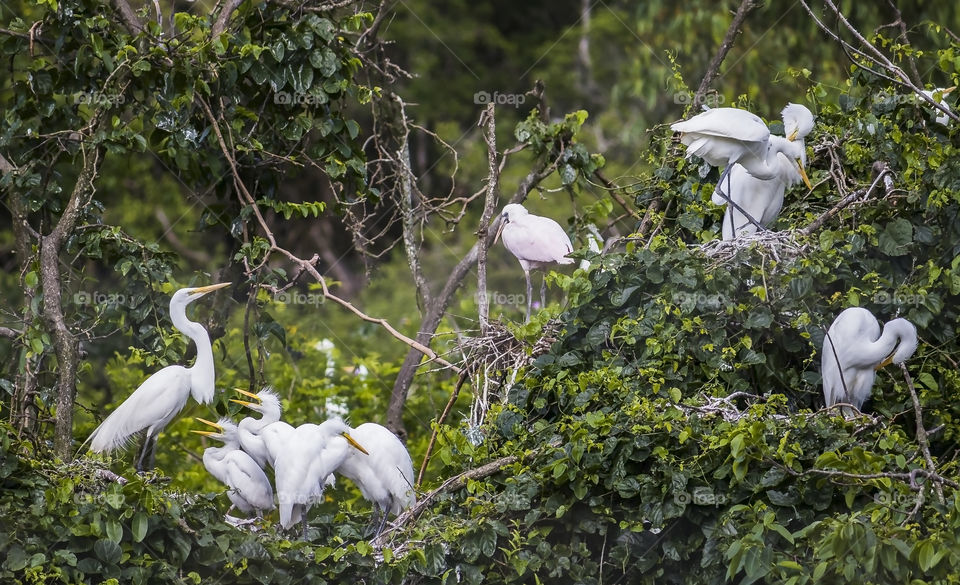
312, 454
724, 137
854, 349
385, 476
250, 489
536, 242
762, 199
163, 395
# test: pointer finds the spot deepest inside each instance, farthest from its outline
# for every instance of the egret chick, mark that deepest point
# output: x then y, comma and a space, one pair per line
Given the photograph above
250, 489
265, 437
536, 242
854, 349
385, 476
313, 453
164, 394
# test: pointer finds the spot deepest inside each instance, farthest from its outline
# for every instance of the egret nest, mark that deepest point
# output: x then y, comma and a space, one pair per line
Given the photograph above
777, 245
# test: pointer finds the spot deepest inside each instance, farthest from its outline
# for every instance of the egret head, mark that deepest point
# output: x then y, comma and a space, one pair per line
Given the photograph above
797, 121
263, 401
225, 431
336, 427
796, 152
185, 296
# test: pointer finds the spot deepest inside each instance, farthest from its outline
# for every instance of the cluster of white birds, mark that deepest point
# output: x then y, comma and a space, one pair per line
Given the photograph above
303, 458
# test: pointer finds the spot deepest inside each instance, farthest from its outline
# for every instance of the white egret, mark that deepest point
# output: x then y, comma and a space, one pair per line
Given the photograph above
313, 453
385, 476
855, 348
941, 118
265, 437
250, 489
536, 242
164, 394
594, 242
726, 136
762, 199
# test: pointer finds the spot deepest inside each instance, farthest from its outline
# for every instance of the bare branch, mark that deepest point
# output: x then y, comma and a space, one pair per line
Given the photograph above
921, 431
732, 31
488, 121
223, 19
128, 16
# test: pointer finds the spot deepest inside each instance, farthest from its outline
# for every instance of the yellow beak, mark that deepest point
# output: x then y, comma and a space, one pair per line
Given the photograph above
503, 224
354, 443
948, 90
885, 363
205, 433
248, 394
212, 424
202, 290
793, 135
245, 403
803, 175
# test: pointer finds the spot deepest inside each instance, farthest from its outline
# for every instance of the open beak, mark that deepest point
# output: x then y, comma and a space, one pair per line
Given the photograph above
353, 442
251, 395
803, 175
212, 424
202, 290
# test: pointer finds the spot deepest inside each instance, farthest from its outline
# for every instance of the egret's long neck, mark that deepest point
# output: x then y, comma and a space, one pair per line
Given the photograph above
201, 372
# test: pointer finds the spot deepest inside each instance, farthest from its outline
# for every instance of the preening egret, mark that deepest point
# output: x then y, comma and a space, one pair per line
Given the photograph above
855, 348
313, 453
941, 117
250, 489
161, 396
762, 199
536, 242
265, 437
726, 136
385, 476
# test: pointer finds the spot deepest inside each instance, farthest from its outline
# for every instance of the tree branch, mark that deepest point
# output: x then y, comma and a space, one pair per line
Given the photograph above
714, 68
488, 121
128, 16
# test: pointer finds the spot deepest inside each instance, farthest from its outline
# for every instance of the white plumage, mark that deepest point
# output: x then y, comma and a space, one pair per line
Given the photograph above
312, 454
941, 118
762, 199
854, 348
250, 489
159, 399
385, 476
535, 241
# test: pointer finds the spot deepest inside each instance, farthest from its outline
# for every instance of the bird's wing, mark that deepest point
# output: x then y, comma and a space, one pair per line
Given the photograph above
537, 239
245, 477
725, 123
151, 406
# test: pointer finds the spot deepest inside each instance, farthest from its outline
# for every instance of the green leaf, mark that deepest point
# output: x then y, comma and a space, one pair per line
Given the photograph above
138, 526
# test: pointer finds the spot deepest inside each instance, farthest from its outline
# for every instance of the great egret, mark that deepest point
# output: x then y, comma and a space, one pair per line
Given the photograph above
594, 242
762, 199
313, 453
536, 242
941, 118
855, 348
385, 476
250, 489
161, 396
726, 136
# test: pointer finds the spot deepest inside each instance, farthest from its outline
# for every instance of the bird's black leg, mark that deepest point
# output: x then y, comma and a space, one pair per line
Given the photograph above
383, 521
526, 274
147, 439
543, 290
